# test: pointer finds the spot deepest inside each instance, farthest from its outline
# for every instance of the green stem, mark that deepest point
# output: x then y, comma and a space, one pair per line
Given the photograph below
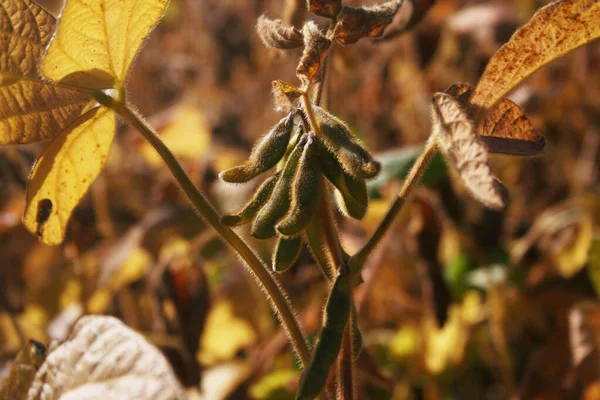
264, 278
357, 261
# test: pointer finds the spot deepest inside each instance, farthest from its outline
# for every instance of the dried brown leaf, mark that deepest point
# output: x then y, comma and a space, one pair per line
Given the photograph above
31, 109
102, 358
315, 49
354, 24
464, 151
413, 12
553, 31
274, 34
285, 95
505, 127
325, 8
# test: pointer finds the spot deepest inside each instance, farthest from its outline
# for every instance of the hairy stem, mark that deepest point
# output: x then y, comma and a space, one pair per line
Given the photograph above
413, 177
346, 381
264, 278
312, 120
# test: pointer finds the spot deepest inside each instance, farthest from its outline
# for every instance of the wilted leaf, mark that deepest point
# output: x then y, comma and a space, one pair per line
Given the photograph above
285, 95
99, 55
102, 358
553, 31
274, 34
65, 171
316, 46
30, 109
364, 22
465, 152
325, 8
505, 127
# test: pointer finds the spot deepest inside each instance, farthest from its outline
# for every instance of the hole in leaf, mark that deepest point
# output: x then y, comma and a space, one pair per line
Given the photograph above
44, 210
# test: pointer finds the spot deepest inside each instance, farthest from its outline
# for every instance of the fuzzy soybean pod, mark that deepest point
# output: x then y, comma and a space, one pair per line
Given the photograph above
306, 190
353, 202
251, 208
278, 204
286, 253
353, 158
337, 312
265, 154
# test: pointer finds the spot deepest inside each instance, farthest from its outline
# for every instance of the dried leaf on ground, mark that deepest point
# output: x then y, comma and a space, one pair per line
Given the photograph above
553, 31
103, 358
465, 152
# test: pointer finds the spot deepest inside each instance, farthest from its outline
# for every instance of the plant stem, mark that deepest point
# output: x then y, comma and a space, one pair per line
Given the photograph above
264, 278
312, 120
414, 175
345, 378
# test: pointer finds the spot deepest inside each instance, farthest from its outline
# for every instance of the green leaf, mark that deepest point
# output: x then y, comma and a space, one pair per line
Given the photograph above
395, 164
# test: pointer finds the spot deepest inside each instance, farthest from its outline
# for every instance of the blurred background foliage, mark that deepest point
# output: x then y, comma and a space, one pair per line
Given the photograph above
458, 302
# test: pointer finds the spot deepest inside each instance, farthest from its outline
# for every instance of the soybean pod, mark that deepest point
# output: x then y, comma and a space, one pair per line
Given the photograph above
353, 157
278, 204
265, 154
286, 253
337, 312
251, 208
306, 190
350, 203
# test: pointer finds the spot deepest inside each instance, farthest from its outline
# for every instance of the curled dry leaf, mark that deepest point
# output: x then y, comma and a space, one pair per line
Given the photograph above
285, 95
103, 358
354, 24
413, 12
31, 109
325, 8
553, 31
465, 152
315, 49
505, 128
274, 34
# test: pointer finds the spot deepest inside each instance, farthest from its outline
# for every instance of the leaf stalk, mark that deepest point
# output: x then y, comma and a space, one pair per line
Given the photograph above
260, 271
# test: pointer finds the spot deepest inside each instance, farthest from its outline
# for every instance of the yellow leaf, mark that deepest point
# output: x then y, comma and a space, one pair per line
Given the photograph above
64, 172
187, 136
30, 108
98, 39
224, 335
553, 31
